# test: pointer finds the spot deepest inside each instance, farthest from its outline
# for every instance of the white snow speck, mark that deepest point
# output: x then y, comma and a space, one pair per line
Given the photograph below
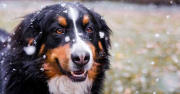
2, 61
44, 56
29, 50
175, 58
63, 4
167, 16
14, 69
157, 35
157, 79
171, 2
152, 63
65, 11
9, 39
116, 44
167, 32
4, 5
2, 39
2, 53
101, 34
8, 46
102, 18
42, 69
67, 39
154, 92
137, 92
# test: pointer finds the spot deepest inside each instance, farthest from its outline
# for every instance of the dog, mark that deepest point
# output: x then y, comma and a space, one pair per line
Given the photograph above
61, 49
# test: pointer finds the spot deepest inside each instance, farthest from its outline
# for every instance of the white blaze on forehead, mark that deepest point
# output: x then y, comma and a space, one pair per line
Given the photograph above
79, 44
73, 14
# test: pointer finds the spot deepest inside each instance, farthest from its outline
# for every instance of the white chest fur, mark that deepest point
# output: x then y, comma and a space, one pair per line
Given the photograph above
64, 85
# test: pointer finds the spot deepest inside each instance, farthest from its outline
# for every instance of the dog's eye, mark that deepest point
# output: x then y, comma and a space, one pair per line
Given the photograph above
60, 31
89, 30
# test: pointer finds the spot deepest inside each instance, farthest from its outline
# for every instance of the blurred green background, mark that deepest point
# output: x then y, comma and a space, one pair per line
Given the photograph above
145, 42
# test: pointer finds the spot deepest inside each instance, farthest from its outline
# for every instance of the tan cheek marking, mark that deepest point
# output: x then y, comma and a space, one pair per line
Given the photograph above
85, 19
93, 71
93, 50
51, 69
62, 54
62, 21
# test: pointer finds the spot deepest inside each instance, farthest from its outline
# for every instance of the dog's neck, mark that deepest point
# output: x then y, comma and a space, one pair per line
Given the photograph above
64, 85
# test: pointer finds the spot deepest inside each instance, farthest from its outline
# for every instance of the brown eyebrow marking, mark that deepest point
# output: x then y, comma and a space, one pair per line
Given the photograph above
62, 21
85, 19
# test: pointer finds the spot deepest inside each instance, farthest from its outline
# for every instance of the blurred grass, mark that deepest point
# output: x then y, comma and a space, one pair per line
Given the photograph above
145, 44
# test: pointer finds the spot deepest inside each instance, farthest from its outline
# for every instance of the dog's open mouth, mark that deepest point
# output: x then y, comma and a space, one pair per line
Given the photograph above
79, 75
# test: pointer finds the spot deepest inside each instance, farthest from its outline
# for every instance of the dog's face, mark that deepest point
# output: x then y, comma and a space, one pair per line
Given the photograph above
72, 38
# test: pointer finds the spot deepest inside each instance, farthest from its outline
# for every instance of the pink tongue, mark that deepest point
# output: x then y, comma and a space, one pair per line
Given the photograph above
78, 72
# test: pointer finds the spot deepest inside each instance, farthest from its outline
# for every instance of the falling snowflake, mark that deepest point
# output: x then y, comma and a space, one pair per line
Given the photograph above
4, 5
157, 35
44, 56
157, 79
42, 69
67, 39
101, 34
152, 63
167, 16
63, 4
154, 92
30, 50
65, 11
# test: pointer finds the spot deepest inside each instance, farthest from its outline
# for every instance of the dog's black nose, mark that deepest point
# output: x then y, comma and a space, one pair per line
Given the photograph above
80, 59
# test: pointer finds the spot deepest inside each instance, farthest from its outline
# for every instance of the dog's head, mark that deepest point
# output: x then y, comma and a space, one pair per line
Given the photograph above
72, 39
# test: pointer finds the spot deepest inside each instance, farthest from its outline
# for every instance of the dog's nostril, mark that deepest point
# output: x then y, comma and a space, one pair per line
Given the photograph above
75, 58
87, 57
80, 59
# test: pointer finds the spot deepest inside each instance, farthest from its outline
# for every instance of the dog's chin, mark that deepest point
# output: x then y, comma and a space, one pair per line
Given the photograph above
78, 76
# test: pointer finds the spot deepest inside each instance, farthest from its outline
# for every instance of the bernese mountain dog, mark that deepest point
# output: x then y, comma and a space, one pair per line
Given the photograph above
61, 49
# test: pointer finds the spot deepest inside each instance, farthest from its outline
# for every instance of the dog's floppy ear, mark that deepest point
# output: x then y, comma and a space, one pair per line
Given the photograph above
29, 33
28, 30
103, 32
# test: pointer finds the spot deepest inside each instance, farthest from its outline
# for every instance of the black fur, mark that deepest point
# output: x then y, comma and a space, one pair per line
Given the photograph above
21, 74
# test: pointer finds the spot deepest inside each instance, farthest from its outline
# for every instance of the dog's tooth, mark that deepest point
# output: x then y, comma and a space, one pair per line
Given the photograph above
78, 75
